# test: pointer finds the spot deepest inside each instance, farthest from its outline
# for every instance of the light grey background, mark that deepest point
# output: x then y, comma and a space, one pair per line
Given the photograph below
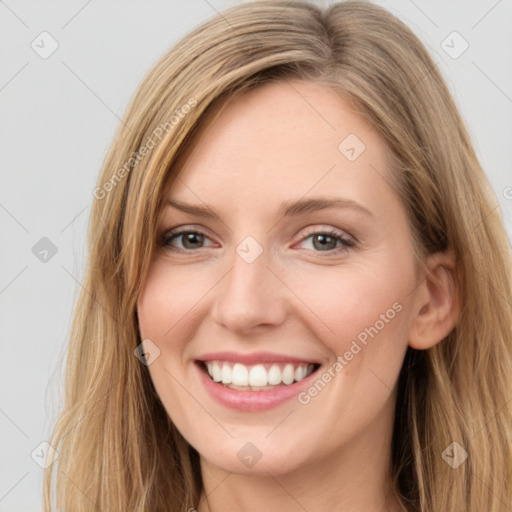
58, 116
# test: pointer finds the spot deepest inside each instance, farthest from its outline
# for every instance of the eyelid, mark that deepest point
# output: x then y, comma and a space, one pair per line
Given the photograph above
319, 228
185, 227
315, 228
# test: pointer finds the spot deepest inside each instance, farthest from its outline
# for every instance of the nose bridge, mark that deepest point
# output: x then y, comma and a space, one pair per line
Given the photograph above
249, 295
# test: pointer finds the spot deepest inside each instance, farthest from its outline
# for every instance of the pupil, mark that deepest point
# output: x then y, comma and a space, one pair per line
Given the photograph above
323, 238
189, 239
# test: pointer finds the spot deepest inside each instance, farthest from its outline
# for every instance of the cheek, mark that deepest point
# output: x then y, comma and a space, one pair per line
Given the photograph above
165, 312
167, 303
361, 315
356, 304
363, 320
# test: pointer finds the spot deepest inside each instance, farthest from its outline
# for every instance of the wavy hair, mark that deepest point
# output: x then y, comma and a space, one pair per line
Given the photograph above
118, 449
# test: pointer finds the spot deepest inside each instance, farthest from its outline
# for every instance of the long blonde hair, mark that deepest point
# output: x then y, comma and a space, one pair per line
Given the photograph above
118, 450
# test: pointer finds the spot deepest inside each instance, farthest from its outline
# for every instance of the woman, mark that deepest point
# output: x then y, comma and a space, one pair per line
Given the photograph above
299, 288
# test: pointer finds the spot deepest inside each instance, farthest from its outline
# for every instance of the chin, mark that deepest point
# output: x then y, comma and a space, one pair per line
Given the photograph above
257, 459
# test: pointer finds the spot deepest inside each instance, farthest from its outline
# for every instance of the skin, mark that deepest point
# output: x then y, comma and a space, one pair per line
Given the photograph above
280, 142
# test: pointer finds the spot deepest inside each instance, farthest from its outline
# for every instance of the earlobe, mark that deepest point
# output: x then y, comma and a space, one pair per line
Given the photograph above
437, 304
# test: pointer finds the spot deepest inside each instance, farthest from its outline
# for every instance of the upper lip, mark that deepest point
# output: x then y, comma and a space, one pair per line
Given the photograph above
253, 358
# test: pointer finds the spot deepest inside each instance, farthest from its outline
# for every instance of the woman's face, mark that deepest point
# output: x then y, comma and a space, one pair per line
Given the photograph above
265, 283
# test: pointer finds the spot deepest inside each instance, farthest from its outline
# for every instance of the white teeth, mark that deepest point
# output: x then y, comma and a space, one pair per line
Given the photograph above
259, 376
288, 374
240, 375
226, 374
274, 375
216, 372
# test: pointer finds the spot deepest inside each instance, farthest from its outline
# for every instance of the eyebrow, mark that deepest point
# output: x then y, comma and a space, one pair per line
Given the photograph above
287, 208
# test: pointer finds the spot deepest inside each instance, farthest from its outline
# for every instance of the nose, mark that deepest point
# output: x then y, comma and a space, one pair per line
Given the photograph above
249, 296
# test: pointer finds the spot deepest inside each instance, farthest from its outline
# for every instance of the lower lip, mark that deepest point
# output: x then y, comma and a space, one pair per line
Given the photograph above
251, 401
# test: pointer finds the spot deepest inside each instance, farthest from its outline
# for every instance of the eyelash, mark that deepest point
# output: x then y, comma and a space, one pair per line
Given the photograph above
346, 243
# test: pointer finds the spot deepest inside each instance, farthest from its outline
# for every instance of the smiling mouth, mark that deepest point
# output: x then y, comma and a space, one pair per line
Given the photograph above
257, 377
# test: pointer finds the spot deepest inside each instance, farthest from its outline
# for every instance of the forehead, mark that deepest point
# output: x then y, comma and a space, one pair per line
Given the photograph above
284, 140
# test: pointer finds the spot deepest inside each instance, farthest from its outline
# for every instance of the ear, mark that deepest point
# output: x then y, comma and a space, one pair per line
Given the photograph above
437, 304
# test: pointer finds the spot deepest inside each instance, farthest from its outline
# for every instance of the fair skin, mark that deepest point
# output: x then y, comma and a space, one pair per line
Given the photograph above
298, 297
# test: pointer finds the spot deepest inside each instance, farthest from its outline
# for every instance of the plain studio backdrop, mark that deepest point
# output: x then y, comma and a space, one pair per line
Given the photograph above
68, 71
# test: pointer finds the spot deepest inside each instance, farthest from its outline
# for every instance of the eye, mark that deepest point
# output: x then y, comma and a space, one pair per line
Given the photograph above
330, 241
190, 240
